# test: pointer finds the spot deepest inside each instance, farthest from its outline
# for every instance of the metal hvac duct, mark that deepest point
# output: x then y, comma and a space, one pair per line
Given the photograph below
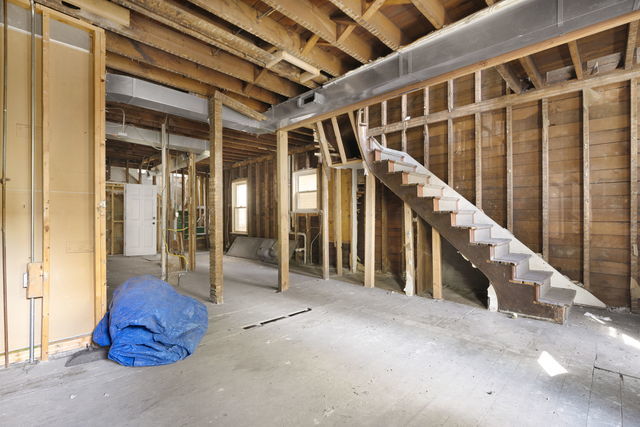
504, 27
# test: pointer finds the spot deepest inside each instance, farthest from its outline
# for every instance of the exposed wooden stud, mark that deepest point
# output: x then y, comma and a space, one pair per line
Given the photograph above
450, 136
283, 211
509, 154
586, 193
46, 186
383, 121
100, 221
216, 207
338, 135
478, 139
576, 59
193, 211
545, 178
634, 283
369, 229
337, 218
436, 259
632, 37
325, 220
353, 247
385, 263
408, 250
403, 113
425, 129
532, 71
423, 278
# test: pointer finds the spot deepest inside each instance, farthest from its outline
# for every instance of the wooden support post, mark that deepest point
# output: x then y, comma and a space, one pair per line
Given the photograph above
509, 135
403, 112
478, 139
165, 202
545, 179
423, 270
337, 218
100, 224
436, 259
384, 231
216, 208
634, 282
383, 121
46, 201
408, 249
369, 230
450, 137
283, 210
632, 37
325, 220
586, 194
425, 129
353, 247
193, 211
324, 145
126, 172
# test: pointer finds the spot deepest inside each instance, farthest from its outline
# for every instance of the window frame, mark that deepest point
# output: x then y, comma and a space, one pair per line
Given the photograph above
295, 192
234, 206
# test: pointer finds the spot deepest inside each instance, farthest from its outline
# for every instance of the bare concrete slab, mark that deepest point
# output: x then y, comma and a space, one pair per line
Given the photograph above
358, 357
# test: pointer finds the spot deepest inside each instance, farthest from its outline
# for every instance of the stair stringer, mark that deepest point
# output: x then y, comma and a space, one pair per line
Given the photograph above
513, 292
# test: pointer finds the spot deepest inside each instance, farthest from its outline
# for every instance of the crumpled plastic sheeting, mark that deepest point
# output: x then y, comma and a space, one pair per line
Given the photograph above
149, 323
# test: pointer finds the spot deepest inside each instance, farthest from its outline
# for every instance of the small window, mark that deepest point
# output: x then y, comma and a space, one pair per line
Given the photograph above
239, 205
305, 190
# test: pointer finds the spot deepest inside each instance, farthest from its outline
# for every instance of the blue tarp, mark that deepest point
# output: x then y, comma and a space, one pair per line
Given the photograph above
149, 323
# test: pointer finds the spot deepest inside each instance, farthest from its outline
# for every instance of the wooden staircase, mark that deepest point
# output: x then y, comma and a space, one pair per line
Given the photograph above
523, 282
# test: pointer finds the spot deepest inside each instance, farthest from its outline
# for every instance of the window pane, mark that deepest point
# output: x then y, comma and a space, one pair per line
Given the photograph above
241, 194
240, 220
308, 182
307, 200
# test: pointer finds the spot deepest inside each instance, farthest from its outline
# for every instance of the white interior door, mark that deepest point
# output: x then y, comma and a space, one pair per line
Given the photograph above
140, 209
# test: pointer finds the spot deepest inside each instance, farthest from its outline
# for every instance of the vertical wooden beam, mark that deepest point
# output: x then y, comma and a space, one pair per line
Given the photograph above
193, 210
633, 193
324, 145
337, 218
408, 250
46, 199
509, 132
338, 135
421, 257
325, 220
545, 179
353, 248
403, 113
436, 259
532, 71
632, 37
369, 230
425, 129
478, 139
100, 224
383, 122
283, 210
216, 208
126, 172
450, 141
586, 193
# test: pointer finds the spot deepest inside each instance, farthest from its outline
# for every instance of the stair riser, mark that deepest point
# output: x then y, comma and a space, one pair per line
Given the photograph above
378, 156
395, 167
425, 191
480, 234
462, 218
446, 205
409, 178
520, 268
499, 251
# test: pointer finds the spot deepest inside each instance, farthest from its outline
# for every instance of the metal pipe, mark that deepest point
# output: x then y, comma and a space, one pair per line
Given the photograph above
5, 66
163, 212
32, 301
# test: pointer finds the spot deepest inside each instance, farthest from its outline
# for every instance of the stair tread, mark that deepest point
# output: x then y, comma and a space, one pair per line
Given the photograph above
557, 296
534, 276
397, 162
492, 241
474, 226
465, 211
512, 258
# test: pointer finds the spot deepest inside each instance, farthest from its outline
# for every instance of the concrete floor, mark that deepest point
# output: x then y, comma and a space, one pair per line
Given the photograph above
359, 357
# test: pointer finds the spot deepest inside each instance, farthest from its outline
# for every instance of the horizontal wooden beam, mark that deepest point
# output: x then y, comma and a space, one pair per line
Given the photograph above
433, 10
238, 106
